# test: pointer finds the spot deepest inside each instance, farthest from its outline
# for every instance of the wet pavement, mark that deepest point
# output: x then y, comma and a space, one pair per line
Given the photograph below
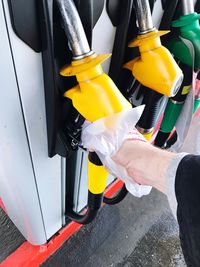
159, 247
145, 242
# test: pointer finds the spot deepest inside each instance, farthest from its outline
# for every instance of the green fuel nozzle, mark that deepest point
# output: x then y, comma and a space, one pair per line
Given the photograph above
188, 41
186, 49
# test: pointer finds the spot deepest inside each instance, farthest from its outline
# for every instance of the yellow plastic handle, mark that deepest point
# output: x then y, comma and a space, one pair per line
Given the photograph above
96, 96
97, 177
155, 68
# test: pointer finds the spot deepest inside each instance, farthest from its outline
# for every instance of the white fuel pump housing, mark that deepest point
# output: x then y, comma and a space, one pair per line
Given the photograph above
32, 185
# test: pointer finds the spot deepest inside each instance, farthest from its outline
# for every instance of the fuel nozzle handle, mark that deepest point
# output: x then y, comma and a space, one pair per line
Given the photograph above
73, 29
155, 68
144, 18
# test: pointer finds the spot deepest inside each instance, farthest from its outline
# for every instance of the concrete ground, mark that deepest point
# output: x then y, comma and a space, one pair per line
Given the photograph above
136, 232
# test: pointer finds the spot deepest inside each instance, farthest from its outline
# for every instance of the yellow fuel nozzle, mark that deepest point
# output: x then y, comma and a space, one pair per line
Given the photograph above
95, 96
155, 68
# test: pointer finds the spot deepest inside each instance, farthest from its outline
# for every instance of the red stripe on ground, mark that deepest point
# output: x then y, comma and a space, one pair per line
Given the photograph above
28, 255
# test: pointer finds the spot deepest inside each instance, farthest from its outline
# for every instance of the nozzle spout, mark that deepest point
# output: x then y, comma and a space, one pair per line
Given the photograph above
188, 7
73, 29
144, 17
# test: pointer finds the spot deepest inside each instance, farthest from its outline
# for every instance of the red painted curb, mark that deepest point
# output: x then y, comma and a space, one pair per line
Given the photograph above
28, 255
31, 256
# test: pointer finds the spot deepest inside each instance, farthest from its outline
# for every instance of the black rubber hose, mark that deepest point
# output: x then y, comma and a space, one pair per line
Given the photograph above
94, 204
172, 140
94, 200
149, 116
120, 195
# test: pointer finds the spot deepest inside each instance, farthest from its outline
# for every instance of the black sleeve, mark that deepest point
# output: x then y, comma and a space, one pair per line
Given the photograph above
187, 189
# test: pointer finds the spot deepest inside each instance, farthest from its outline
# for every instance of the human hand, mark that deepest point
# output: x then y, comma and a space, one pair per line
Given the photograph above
144, 163
107, 135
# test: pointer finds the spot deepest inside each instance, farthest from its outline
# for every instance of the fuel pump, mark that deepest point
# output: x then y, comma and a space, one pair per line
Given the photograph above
188, 26
94, 97
38, 48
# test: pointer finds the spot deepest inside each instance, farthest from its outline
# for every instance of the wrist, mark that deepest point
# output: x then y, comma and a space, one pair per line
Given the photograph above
159, 165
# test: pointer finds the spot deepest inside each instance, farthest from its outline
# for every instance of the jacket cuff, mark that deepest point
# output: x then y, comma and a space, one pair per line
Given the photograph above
170, 181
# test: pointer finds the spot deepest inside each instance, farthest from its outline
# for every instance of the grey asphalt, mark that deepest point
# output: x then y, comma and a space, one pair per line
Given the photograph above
146, 235
10, 237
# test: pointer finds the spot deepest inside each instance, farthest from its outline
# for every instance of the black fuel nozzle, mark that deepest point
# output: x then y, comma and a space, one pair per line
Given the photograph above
174, 108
